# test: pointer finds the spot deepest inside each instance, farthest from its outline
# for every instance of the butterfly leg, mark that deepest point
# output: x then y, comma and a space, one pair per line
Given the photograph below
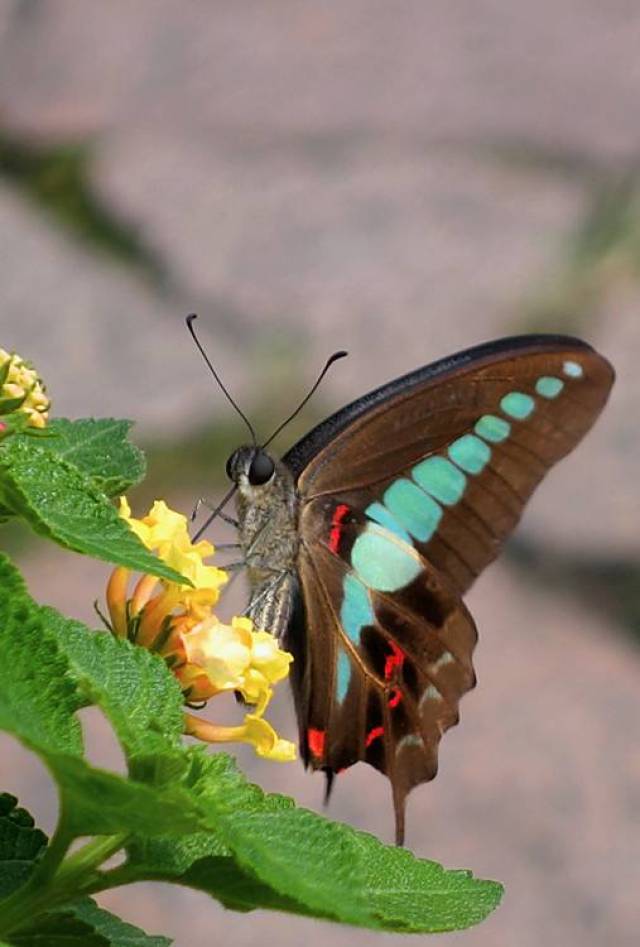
203, 501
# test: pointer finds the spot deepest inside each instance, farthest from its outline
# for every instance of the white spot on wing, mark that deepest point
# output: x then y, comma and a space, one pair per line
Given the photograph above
411, 739
443, 660
573, 370
430, 693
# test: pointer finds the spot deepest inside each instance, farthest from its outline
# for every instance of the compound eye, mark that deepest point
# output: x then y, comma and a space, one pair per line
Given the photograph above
229, 467
261, 469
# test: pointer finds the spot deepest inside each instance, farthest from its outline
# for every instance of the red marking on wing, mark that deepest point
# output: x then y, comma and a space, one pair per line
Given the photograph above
393, 661
316, 741
373, 735
395, 698
334, 536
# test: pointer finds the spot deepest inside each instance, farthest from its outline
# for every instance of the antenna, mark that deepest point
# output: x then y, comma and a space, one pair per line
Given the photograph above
332, 358
189, 321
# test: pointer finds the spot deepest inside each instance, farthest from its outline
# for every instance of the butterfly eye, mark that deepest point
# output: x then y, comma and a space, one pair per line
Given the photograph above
261, 469
230, 465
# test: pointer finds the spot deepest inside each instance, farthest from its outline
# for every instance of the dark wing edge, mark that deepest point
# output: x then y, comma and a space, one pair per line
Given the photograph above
298, 456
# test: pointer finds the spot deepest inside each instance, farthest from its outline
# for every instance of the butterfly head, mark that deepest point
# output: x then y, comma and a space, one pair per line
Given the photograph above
251, 467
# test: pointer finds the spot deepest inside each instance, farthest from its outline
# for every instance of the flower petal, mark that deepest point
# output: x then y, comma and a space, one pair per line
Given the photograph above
266, 741
222, 652
269, 658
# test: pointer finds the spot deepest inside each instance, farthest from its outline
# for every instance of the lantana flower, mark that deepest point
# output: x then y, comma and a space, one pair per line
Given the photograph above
21, 390
207, 656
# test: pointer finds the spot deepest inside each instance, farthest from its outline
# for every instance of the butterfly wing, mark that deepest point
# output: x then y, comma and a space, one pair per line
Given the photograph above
405, 496
476, 432
384, 672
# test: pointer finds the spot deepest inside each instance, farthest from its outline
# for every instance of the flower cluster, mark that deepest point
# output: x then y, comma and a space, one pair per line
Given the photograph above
22, 390
176, 620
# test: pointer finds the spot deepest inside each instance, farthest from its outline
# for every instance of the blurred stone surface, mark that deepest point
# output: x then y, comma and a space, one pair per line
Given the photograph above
398, 254
591, 502
318, 176
107, 343
564, 74
337, 216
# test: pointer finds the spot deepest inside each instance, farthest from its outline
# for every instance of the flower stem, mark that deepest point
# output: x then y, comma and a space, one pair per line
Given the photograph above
56, 881
86, 861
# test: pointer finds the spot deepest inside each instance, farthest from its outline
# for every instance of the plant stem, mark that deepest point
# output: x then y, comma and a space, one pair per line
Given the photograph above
88, 859
57, 882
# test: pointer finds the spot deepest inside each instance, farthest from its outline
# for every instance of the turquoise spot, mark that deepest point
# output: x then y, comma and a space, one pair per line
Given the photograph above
492, 428
356, 611
383, 562
517, 405
413, 508
380, 514
573, 370
343, 676
470, 453
439, 477
549, 387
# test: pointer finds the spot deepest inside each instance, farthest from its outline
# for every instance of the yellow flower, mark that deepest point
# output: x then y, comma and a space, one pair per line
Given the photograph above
268, 658
206, 656
232, 657
221, 652
22, 390
254, 730
166, 532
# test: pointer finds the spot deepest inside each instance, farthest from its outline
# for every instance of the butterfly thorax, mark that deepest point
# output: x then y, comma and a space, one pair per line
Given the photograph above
268, 536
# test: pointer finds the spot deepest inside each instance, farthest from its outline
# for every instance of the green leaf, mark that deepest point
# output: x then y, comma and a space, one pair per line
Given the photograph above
37, 699
21, 844
118, 933
60, 501
217, 787
81, 922
47, 672
291, 859
352, 877
191, 816
134, 687
403, 890
7, 405
85, 924
50, 666
5, 368
98, 802
58, 930
99, 447
236, 889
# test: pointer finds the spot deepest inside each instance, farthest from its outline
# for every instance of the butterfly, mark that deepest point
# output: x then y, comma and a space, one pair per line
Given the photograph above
361, 542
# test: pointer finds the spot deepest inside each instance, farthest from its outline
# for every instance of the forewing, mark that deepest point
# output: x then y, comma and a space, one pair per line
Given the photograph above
449, 455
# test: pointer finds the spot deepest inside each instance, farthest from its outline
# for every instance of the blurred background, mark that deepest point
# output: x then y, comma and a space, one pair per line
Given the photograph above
401, 180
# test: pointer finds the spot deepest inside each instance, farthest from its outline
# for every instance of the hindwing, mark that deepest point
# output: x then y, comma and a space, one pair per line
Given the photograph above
381, 673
